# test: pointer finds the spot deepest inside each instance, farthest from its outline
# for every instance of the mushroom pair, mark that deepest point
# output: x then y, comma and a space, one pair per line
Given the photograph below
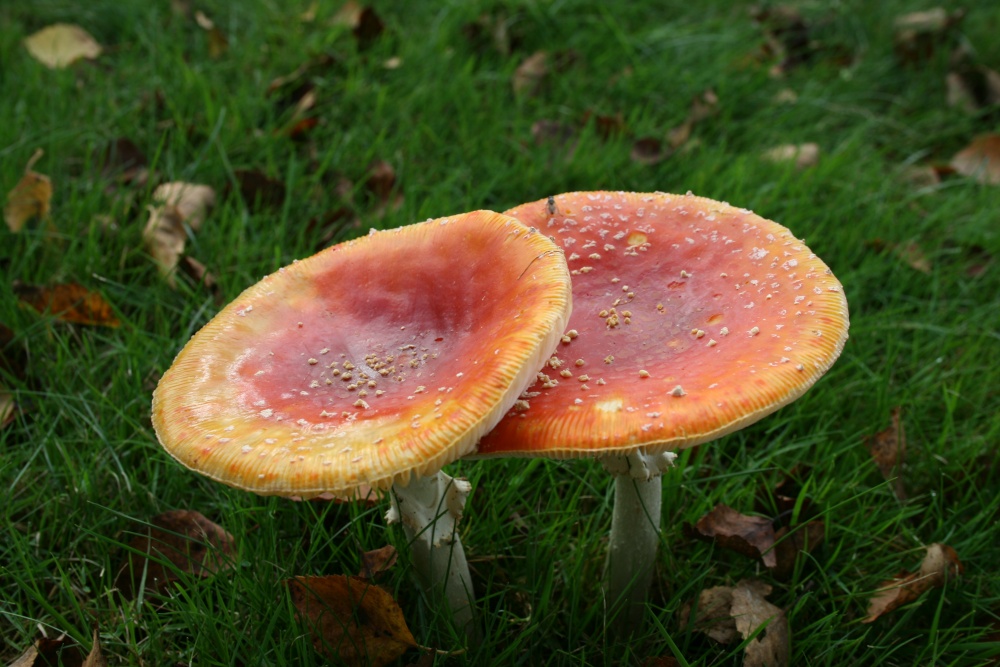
368, 363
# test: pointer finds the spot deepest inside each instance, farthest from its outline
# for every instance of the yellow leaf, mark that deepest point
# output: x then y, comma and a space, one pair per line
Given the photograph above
352, 621
29, 198
69, 302
62, 44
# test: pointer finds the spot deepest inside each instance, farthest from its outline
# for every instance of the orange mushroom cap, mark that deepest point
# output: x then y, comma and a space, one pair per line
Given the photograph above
375, 359
692, 319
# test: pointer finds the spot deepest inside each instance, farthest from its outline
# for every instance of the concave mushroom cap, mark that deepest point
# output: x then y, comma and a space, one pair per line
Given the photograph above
375, 359
693, 319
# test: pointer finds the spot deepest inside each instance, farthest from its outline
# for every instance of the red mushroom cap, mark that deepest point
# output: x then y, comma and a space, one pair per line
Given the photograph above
379, 358
691, 319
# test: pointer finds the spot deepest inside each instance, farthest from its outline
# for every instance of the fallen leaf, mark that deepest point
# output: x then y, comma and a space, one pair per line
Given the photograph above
200, 274
68, 302
606, 126
393, 63
648, 151
492, 31
62, 44
788, 544
704, 105
713, 616
352, 622
803, 155
771, 647
787, 36
376, 562
917, 35
176, 207
124, 162
8, 408
381, 179
61, 650
727, 614
752, 536
96, 657
30, 198
973, 88
259, 190
309, 15
980, 160
175, 542
940, 565
349, 15
530, 74
368, 28
552, 132
192, 201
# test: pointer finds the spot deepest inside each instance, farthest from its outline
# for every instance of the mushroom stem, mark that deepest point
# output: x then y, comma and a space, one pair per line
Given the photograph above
429, 509
635, 535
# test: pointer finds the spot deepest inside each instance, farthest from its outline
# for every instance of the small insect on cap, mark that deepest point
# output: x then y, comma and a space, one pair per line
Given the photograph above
374, 360
692, 319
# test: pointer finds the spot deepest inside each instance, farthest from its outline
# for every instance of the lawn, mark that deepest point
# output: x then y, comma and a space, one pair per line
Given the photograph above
313, 125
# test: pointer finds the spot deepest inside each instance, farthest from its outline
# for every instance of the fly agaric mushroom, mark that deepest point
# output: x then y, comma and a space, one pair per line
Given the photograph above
691, 320
376, 362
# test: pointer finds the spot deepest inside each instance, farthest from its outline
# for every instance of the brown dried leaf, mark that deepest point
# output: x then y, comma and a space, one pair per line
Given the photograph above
888, 450
368, 28
374, 563
803, 155
200, 274
352, 622
46, 652
8, 408
68, 302
381, 180
940, 564
96, 657
530, 74
648, 151
752, 536
124, 162
980, 160
192, 201
62, 44
713, 616
259, 190
973, 88
771, 647
918, 34
704, 105
492, 31
186, 540
787, 37
29, 198
787, 547
727, 614
349, 15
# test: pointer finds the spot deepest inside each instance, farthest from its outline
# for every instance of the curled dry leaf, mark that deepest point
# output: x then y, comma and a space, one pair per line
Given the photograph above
729, 614
530, 74
888, 450
973, 88
648, 151
789, 543
28, 199
368, 29
175, 542
174, 206
217, 42
704, 105
68, 302
918, 34
802, 155
752, 536
62, 44
940, 565
376, 562
352, 622
349, 15
259, 190
980, 160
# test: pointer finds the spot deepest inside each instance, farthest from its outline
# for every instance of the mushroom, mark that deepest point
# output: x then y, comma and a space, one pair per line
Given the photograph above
375, 362
691, 320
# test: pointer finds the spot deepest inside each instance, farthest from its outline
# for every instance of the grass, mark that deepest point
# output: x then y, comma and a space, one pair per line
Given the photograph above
80, 468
